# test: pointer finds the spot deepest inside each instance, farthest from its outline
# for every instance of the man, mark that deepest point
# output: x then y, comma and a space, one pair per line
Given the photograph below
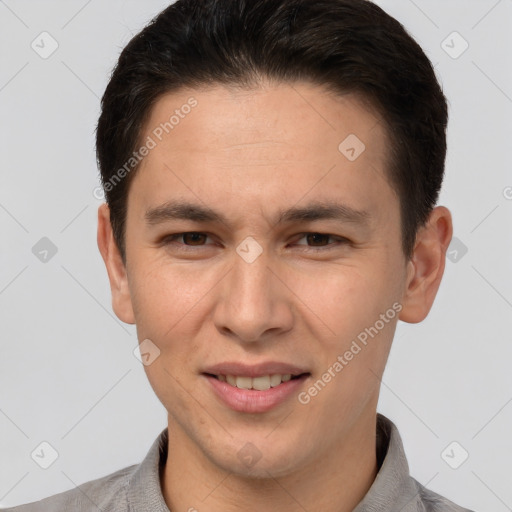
271, 172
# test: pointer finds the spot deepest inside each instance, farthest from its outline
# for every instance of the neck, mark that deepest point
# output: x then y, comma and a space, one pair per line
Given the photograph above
336, 481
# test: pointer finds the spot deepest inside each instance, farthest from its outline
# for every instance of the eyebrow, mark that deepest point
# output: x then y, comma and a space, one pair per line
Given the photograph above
318, 210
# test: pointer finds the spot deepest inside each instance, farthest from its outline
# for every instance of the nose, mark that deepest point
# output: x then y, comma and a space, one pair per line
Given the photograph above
254, 303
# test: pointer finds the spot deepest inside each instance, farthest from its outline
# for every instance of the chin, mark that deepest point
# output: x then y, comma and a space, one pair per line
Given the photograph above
250, 462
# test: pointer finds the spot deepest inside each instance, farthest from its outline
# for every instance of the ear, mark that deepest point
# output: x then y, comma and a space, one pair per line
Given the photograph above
426, 266
116, 269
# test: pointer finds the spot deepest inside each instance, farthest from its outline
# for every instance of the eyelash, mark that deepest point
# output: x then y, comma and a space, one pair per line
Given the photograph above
170, 239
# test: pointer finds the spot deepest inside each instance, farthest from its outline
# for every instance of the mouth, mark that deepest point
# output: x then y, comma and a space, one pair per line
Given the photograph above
259, 393
260, 383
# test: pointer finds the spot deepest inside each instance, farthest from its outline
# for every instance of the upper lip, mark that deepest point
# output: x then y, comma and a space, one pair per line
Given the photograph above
254, 370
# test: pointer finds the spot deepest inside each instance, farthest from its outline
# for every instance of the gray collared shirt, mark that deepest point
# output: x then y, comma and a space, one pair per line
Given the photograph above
137, 488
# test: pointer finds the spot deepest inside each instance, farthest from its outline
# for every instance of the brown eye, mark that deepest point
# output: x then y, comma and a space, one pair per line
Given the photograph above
187, 239
321, 240
318, 238
193, 238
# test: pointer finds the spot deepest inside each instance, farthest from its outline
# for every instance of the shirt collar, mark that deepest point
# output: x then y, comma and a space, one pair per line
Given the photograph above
393, 488
144, 492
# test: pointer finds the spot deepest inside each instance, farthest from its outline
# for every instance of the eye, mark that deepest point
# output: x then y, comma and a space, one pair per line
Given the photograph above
189, 238
320, 240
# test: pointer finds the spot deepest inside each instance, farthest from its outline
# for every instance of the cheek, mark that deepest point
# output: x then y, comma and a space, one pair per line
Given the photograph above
345, 299
351, 302
357, 305
164, 297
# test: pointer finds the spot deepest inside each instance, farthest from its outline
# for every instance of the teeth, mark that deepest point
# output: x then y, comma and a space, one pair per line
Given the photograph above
244, 382
259, 383
275, 380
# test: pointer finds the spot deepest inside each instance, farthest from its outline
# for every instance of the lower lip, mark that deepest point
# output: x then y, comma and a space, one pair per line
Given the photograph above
254, 401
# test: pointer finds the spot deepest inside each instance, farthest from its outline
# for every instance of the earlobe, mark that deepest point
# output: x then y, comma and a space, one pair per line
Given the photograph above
116, 269
426, 267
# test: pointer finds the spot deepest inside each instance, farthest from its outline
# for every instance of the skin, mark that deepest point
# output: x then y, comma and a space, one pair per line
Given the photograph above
250, 154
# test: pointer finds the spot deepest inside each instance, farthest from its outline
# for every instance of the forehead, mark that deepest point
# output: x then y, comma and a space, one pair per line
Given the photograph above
278, 113
265, 145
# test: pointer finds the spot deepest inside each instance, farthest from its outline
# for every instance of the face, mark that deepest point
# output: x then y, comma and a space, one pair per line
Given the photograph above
263, 240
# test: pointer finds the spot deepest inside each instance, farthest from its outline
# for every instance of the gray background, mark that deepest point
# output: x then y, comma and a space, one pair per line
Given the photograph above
68, 375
